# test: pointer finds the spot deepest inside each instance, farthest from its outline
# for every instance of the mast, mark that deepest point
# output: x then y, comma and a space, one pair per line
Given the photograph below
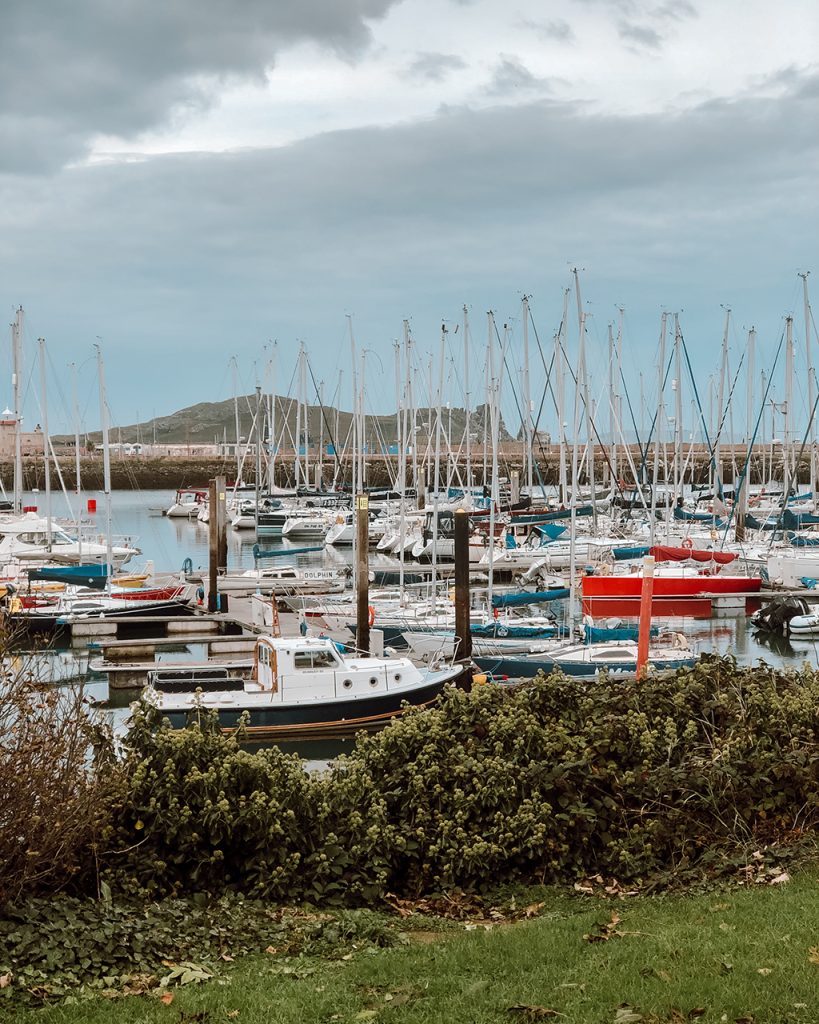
788, 469
811, 386
560, 375
106, 467
46, 453
718, 488
76, 404
236, 418
297, 461
437, 468
17, 356
467, 425
258, 473
528, 439
612, 410
678, 454
657, 428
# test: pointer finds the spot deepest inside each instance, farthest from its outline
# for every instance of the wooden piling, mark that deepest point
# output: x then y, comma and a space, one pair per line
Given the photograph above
213, 548
362, 574
463, 632
644, 633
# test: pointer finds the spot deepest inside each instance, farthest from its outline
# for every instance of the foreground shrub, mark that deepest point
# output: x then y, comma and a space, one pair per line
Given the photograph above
201, 814
561, 778
553, 780
52, 804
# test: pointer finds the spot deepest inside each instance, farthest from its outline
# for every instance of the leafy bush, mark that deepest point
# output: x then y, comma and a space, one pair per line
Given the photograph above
552, 780
560, 779
201, 814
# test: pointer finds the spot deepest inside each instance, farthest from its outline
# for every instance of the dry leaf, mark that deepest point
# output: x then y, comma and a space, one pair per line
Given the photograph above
166, 998
232, 1014
763, 970
5, 980
625, 1014
605, 930
533, 909
527, 1013
698, 1011
813, 955
780, 879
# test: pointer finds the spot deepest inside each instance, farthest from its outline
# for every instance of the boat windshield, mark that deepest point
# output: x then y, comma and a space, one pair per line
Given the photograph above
314, 659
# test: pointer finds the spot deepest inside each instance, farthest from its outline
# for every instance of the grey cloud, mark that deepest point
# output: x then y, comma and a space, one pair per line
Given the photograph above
71, 71
176, 257
640, 35
434, 67
511, 76
557, 29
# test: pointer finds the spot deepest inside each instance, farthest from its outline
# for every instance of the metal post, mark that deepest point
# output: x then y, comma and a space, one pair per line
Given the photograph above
362, 581
645, 615
463, 633
213, 547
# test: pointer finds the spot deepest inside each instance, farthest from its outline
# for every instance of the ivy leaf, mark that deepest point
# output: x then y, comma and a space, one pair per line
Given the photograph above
528, 1013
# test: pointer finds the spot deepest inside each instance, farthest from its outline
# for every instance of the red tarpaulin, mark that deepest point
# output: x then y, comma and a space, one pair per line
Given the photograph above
669, 554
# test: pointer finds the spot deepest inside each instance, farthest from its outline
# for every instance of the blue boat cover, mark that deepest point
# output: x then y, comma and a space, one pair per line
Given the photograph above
535, 597
601, 634
274, 552
626, 553
93, 575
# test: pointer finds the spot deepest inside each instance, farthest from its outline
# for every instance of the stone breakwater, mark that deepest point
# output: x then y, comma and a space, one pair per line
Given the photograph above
168, 472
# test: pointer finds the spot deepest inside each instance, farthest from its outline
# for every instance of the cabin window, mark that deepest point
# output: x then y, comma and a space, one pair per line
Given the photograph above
347, 684
264, 656
397, 677
314, 659
373, 681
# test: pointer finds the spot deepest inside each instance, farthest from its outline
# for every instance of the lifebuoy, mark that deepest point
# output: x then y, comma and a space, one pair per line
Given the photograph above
371, 618
688, 543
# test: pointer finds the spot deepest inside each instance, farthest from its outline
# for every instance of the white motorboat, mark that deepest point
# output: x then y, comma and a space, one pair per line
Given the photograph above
26, 538
303, 684
282, 580
186, 503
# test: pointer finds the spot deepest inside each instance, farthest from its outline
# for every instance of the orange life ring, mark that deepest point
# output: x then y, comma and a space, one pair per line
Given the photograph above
688, 543
371, 618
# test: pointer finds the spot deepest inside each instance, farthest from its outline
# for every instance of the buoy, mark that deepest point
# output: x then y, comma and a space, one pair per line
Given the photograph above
371, 616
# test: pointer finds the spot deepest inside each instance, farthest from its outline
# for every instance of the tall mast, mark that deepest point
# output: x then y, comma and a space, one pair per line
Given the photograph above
297, 473
811, 386
46, 453
76, 404
678, 434
612, 409
658, 425
721, 406
560, 376
106, 468
789, 470
236, 419
467, 428
528, 439
17, 355
259, 433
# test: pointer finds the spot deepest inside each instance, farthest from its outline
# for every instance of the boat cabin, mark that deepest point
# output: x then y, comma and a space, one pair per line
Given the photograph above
308, 668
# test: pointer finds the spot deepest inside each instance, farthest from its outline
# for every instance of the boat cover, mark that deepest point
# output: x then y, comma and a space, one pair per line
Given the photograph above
663, 553
533, 597
93, 575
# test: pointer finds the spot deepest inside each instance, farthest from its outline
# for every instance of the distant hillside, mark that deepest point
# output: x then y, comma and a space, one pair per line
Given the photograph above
214, 422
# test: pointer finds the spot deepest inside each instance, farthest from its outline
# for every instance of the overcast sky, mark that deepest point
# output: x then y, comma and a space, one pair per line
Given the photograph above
194, 179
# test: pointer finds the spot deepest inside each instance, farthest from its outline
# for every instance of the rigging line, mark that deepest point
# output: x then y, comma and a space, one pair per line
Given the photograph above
643, 453
547, 386
781, 515
323, 412
699, 404
606, 457
741, 482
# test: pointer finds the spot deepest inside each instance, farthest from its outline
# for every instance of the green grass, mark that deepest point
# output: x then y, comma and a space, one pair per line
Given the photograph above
733, 953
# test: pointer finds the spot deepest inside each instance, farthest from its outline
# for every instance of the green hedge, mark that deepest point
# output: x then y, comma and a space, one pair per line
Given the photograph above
554, 780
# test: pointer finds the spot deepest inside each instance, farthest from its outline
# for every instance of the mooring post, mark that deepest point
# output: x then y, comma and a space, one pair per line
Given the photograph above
644, 633
362, 573
221, 528
463, 632
213, 547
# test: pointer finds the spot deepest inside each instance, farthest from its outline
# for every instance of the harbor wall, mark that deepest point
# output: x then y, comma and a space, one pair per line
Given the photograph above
168, 472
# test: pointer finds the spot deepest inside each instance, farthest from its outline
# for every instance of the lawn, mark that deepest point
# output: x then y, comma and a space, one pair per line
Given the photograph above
745, 954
